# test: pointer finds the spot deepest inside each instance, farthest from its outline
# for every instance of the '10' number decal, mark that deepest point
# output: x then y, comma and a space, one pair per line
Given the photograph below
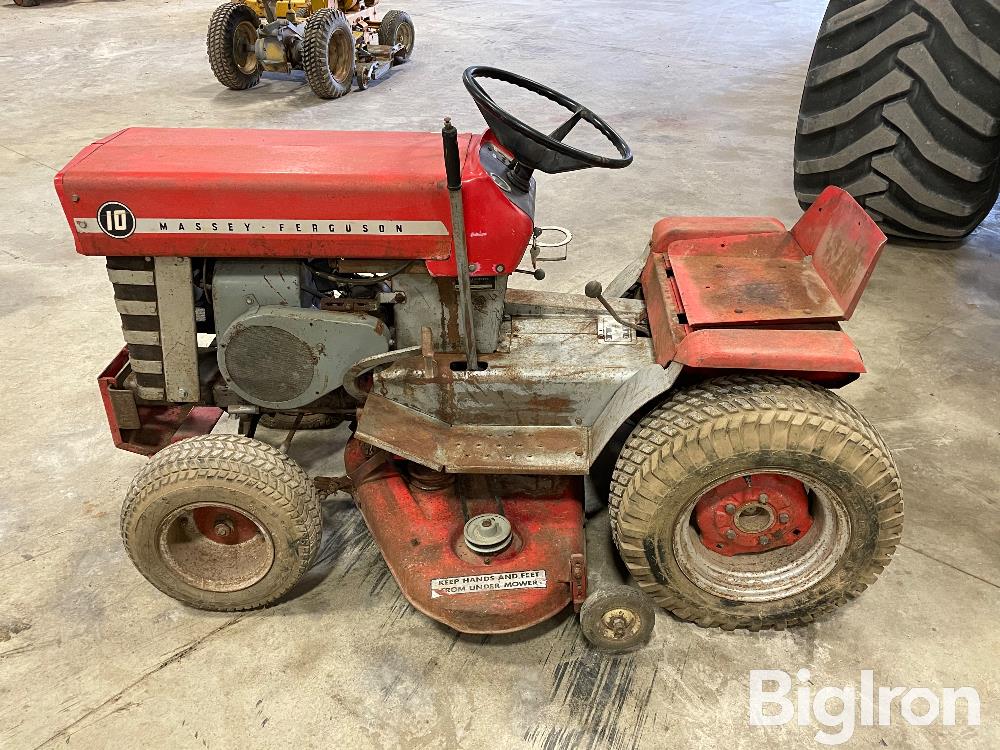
116, 220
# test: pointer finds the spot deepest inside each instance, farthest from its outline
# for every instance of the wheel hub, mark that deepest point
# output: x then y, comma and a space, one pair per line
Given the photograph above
619, 624
244, 47
215, 547
224, 525
752, 514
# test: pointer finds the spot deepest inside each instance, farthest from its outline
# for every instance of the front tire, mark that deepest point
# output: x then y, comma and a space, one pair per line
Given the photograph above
222, 522
328, 57
901, 108
722, 442
232, 36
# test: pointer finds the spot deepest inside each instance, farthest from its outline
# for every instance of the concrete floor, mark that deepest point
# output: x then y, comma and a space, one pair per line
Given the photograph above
92, 656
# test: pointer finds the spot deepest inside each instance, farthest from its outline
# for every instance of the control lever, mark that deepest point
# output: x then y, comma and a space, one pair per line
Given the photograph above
538, 273
595, 290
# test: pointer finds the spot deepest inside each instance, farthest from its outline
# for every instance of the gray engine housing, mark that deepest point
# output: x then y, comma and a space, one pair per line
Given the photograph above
276, 353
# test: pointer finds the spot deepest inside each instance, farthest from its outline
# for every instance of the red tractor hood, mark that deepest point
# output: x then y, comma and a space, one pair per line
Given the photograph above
280, 193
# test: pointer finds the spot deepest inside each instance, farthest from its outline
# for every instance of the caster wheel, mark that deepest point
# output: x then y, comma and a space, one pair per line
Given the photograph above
617, 619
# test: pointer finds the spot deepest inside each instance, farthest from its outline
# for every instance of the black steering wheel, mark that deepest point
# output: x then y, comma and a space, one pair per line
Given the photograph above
532, 149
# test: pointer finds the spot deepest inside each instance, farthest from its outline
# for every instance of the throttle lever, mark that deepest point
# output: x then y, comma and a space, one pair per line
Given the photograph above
538, 273
595, 290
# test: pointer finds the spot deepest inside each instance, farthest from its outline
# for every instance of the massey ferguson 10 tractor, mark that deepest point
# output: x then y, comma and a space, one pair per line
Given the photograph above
364, 276
335, 42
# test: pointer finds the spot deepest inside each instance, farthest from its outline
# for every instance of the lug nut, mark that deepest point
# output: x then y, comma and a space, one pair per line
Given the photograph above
222, 529
487, 523
730, 535
783, 517
730, 508
764, 540
763, 498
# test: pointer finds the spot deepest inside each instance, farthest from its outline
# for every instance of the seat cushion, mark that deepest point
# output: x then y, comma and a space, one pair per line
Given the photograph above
674, 228
751, 279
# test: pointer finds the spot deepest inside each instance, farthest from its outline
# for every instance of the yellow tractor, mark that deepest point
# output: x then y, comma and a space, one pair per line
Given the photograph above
335, 42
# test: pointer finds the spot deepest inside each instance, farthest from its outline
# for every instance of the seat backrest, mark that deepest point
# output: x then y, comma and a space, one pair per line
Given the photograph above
844, 244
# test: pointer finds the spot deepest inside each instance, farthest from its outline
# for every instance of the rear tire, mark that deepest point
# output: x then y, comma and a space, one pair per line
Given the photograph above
901, 108
222, 522
231, 32
397, 28
735, 428
328, 54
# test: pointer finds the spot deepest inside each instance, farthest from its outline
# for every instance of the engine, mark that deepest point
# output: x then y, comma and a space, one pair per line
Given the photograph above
286, 335
253, 282
278, 335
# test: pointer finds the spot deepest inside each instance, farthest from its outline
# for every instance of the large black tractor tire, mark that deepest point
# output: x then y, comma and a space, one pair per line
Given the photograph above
736, 430
231, 34
901, 108
328, 56
222, 522
397, 28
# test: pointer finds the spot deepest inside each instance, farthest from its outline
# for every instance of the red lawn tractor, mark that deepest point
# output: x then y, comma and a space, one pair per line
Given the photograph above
278, 274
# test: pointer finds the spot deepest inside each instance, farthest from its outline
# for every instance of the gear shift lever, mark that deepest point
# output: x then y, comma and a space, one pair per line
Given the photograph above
595, 290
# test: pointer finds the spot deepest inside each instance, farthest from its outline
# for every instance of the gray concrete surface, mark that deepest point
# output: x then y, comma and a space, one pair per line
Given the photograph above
92, 656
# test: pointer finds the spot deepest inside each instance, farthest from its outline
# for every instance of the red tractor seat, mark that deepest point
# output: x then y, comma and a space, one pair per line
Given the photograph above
814, 273
674, 228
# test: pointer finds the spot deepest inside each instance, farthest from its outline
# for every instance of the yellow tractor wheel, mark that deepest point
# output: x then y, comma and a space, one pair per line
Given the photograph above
232, 51
328, 53
397, 28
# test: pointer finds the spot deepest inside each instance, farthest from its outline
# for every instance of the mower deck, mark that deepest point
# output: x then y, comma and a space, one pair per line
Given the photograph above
417, 521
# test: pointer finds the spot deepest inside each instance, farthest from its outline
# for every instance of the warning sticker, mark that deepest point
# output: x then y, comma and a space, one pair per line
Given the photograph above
516, 579
611, 331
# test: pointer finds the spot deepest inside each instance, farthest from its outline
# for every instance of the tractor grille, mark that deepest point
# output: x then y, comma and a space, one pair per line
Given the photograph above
268, 363
135, 298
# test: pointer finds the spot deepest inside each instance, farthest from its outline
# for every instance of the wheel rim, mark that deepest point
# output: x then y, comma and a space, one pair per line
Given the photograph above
215, 547
340, 55
775, 568
620, 624
245, 47
404, 36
